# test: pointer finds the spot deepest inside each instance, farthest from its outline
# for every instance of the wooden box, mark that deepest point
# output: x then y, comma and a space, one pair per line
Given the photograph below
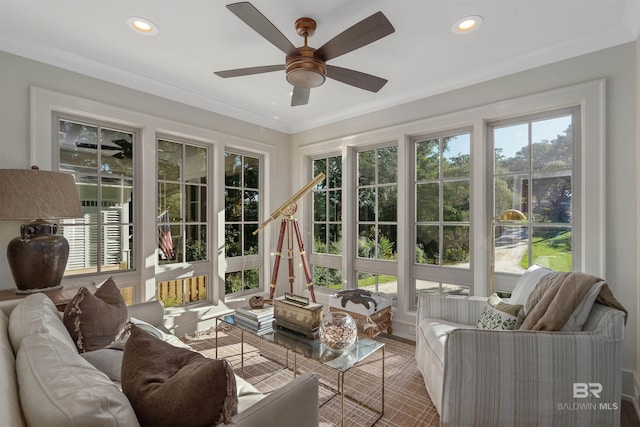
370, 325
305, 317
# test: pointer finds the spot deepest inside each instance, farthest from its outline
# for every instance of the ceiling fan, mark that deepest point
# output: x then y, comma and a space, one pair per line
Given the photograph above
305, 66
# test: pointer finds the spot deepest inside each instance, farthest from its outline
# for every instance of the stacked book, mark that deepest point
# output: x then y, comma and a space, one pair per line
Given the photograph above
257, 320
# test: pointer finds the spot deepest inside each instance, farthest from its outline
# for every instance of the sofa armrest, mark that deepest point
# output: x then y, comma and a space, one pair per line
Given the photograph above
293, 405
463, 310
527, 378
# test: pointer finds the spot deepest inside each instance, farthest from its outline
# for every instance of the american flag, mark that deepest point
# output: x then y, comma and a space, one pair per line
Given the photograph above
165, 243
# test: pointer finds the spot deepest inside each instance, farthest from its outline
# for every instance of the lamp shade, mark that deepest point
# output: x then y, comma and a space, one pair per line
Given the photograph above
27, 194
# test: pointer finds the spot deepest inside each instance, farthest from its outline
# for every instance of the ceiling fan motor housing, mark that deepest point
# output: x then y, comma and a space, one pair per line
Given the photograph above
304, 70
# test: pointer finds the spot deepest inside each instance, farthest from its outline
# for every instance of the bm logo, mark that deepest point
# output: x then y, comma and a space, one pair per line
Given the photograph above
584, 390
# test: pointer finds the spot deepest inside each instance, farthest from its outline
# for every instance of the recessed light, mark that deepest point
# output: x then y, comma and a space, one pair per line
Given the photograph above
467, 25
142, 26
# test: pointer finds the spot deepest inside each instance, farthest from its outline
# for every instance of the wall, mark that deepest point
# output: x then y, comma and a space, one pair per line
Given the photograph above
619, 67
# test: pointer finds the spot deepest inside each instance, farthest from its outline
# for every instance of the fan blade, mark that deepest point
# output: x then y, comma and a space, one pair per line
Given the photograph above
356, 78
249, 71
260, 24
361, 34
300, 96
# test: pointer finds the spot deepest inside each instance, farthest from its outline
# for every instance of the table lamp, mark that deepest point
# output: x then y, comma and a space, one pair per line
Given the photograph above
38, 257
508, 216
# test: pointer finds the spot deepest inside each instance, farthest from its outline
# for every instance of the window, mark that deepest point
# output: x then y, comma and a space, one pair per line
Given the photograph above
182, 219
442, 210
377, 203
242, 193
327, 223
100, 157
532, 173
182, 202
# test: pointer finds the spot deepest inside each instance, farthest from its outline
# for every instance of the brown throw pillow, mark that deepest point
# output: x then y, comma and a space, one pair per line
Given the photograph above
94, 320
171, 386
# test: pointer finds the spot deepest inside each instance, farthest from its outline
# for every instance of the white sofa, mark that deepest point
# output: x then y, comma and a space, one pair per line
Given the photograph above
45, 381
479, 377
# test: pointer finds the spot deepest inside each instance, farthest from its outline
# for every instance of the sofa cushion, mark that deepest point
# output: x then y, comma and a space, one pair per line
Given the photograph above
247, 394
59, 388
498, 315
106, 360
435, 332
94, 320
10, 411
165, 383
36, 314
526, 283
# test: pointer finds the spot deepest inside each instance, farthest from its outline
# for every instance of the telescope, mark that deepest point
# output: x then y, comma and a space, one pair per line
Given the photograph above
304, 190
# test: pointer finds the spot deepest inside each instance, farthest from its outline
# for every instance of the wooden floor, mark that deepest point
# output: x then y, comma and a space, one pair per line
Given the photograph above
628, 418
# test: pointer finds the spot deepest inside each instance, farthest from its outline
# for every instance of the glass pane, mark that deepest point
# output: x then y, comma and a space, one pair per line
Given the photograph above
196, 243
427, 244
252, 279
78, 146
451, 289
455, 201
551, 248
366, 204
511, 192
367, 241
88, 192
511, 144
455, 246
113, 245
387, 165
232, 240
379, 283
388, 242
116, 152
335, 205
334, 279
335, 172
320, 238
551, 197
251, 205
195, 164
232, 167
169, 243
427, 160
427, 202
387, 202
233, 282
116, 197
250, 240
552, 144
169, 200
195, 203
320, 276
195, 289
251, 172
233, 204
169, 160
510, 248
426, 286
456, 151
366, 168
335, 239
319, 205
320, 166
171, 293
83, 244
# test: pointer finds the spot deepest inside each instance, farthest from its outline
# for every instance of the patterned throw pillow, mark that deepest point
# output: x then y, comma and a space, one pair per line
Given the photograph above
498, 315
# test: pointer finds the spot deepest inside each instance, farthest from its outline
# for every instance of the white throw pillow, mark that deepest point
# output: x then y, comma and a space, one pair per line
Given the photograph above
579, 316
527, 283
498, 315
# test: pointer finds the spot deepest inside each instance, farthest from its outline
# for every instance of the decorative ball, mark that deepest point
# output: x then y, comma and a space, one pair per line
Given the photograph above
256, 302
338, 331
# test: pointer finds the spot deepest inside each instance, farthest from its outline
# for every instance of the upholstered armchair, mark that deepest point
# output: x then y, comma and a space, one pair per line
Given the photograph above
480, 377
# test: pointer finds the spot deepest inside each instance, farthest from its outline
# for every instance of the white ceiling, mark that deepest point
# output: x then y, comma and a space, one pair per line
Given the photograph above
197, 37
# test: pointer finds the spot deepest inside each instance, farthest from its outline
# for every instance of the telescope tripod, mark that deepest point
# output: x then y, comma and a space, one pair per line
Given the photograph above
289, 226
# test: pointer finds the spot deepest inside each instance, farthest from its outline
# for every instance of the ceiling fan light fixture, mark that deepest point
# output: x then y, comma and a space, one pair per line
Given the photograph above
306, 72
467, 25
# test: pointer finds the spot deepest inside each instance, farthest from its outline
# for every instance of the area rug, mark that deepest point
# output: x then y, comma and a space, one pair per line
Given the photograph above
406, 400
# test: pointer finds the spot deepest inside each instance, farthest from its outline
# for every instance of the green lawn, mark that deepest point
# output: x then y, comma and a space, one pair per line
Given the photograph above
371, 281
553, 253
